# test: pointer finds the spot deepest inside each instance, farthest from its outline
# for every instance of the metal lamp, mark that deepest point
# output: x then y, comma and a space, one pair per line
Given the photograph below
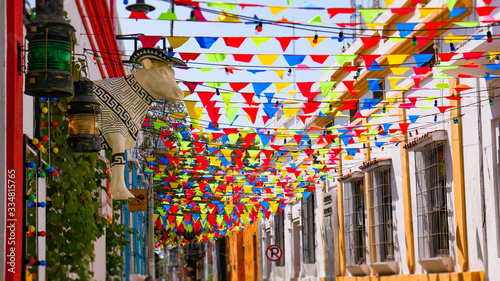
84, 112
140, 6
49, 52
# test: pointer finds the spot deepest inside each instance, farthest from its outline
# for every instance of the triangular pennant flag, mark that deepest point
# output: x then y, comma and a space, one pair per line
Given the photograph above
405, 29
176, 42
259, 40
260, 87
285, 41
293, 60
342, 59
252, 112
369, 42
369, 15
267, 59
234, 42
149, 41
206, 42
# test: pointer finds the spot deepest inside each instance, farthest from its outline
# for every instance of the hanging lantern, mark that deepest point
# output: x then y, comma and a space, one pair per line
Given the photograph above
140, 6
84, 112
49, 52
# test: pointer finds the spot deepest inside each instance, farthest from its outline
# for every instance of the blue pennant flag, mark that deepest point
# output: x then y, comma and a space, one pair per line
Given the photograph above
405, 29
293, 60
206, 42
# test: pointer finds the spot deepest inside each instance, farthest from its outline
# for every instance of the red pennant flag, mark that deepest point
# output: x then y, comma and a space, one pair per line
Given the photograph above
303, 118
191, 85
205, 98
369, 59
349, 84
446, 56
402, 11
432, 27
484, 11
189, 56
138, 15
243, 57
369, 42
404, 127
252, 112
265, 118
216, 136
285, 41
297, 138
413, 100
348, 105
334, 11
268, 153
442, 109
237, 86
149, 41
319, 58
305, 88
234, 41
415, 2
472, 55
249, 98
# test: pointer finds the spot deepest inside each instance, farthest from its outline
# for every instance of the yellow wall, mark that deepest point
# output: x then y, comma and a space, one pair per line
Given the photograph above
244, 254
458, 276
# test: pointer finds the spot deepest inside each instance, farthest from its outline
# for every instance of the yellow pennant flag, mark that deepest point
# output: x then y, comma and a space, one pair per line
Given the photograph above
280, 73
454, 39
281, 85
259, 40
268, 59
394, 80
399, 70
226, 16
277, 9
311, 41
373, 26
295, 154
176, 42
396, 59
290, 111
424, 12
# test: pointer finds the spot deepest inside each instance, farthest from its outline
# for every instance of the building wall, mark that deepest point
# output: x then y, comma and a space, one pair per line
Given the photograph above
243, 255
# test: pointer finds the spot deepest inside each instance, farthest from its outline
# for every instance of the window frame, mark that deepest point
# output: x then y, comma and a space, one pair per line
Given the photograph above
355, 254
432, 201
383, 216
279, 235
308, 230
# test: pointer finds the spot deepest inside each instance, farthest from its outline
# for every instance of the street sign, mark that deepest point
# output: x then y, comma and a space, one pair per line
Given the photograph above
274, 253
140, 201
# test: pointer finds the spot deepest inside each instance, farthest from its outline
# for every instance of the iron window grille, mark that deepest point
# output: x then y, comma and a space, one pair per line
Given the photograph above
382, 225
308, 225
355, 225
432, 208
279, 235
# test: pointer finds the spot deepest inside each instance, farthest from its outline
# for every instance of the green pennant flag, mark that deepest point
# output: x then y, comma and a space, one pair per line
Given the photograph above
231, 113
316, 19
326, 87
222, 5
451, 4
369, 15
341, 59
215, 57
215, 84
169, 15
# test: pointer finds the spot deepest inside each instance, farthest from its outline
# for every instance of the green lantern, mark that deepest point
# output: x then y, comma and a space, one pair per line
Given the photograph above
49, 52
84, 112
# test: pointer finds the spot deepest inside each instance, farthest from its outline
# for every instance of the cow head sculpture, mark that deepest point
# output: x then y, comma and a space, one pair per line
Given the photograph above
157, 76
124, 104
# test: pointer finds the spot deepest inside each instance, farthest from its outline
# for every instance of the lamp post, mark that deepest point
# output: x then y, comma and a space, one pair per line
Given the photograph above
49, 52
83, 125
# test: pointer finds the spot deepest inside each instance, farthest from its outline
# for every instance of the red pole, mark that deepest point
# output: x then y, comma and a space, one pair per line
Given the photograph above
14, 236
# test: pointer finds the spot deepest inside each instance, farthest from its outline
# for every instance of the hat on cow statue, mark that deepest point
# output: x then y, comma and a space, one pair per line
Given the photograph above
154, 54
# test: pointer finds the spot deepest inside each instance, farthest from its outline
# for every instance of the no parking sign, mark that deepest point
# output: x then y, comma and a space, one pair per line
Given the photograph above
274, 253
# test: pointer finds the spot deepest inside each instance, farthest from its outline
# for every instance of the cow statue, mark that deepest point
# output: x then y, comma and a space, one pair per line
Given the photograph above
124, 103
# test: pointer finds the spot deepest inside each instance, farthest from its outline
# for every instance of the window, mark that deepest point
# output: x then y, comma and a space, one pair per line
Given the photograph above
382, 226
354, 221
432, 210
308, 239
279, 235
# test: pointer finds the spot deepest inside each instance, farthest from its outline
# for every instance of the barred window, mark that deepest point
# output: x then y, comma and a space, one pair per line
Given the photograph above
308, 241
382, 225
354, 221
279, 235
432, 209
